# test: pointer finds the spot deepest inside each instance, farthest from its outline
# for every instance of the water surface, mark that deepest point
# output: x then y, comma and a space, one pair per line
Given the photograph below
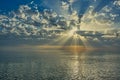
59, 65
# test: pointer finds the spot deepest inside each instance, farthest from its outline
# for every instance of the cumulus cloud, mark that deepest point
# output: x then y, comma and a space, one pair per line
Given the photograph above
72, 1
24, 8
28, 22
117, 3
107, 9
64, 5
104, 19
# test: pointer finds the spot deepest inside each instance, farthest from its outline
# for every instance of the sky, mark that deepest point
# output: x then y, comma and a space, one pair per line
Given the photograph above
46, 18
9, 5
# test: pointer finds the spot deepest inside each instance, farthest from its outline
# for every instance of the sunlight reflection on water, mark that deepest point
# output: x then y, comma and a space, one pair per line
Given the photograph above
60, 65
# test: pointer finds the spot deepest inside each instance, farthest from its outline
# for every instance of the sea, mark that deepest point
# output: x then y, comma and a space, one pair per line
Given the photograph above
59, 65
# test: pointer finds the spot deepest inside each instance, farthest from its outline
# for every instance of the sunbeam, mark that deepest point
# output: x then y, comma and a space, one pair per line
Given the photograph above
59, 24
85, 42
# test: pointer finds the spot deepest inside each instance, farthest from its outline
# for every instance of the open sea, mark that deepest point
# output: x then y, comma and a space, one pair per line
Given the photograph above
59, 65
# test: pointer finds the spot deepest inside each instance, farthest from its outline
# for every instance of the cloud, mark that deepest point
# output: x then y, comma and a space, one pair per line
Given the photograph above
107, 9
95, 22
74, 16
64, 5
30, 22
24, 8
117, 3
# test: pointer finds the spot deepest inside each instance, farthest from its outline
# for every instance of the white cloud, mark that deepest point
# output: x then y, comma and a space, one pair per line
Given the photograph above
64, 5
95, 21
24, 8
22, 15
31, 2
117, 3
74, 16
107, 9
36, 17
96, 39
71, 1
29, 22
113, 16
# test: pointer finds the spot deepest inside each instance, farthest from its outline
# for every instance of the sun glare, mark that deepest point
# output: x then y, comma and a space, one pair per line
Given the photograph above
72, 32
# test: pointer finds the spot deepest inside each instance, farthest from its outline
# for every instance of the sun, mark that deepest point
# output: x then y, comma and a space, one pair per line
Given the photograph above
72, 32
